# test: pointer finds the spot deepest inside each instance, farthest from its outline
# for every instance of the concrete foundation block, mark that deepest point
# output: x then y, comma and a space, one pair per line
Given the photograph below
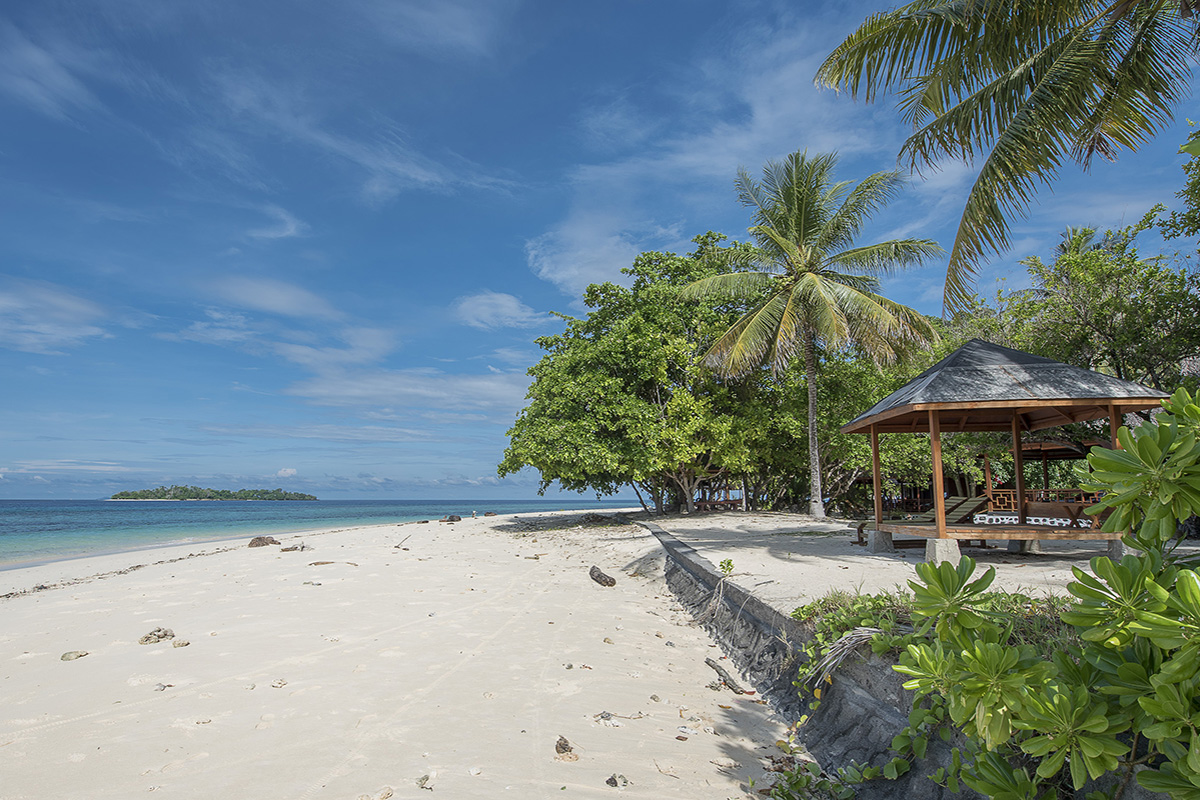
939, 550
1026, 546
880, 542
1117, 549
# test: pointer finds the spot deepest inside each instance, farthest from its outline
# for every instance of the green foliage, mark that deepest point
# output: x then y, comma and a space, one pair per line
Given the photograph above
196, 493
1101, 306
727, 567
620, 396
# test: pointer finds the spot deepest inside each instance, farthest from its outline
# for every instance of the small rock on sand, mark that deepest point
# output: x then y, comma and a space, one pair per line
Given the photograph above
180, 643
157, 635
263, 541
74, 654
616, 780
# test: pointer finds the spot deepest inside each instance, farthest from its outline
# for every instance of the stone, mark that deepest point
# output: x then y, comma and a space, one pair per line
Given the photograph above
74, 654
180, 643
600, 578
880, 542
562, 746
451, 518
939, 550
263, 541
1025, 546
489, 513
157, 635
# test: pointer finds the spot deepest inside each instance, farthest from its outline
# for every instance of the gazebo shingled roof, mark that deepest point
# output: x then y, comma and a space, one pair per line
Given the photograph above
979, 385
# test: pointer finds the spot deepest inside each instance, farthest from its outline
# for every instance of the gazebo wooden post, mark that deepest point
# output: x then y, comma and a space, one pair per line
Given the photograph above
987, 479
1045, 477
1018, 468
939, 490
876, 479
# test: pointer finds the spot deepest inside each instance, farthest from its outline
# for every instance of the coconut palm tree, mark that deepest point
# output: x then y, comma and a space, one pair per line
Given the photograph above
809, 285
1018, 87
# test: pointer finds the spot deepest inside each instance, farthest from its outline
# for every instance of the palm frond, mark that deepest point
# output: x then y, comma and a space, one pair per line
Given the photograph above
887, 258
742, 348
729, 286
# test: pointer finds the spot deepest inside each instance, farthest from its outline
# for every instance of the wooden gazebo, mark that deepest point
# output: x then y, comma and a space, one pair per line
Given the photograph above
986, 387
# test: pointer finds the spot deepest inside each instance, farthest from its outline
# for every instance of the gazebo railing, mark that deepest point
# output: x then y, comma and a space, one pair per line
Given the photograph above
1005, 500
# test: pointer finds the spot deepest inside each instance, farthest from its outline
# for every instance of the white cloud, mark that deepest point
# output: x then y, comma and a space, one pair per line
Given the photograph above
391, 163
415, 389
38, 317
490, 310
34, 76
274, 297
362, 346
440, 28
285, 225
329, 433
287, 472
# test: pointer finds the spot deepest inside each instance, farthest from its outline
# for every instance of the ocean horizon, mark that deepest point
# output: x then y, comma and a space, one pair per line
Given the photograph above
36, 532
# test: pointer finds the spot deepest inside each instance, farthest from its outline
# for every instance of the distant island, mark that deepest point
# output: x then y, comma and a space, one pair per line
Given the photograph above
196, 493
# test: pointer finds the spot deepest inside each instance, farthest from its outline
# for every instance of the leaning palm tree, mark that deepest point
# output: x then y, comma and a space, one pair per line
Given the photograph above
812, 288
1018, 87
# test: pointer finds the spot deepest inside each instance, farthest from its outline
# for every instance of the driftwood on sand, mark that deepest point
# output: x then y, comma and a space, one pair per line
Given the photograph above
600, 578
726, 678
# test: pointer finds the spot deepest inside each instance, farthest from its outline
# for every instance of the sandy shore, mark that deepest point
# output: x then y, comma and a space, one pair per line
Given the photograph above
383, 657
392, 660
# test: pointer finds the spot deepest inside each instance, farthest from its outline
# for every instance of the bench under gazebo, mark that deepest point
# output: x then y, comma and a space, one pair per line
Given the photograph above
986, 387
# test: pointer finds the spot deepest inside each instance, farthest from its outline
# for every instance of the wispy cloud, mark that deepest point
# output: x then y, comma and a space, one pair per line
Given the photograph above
32, 75
39, 317
274, 297
391, 163
440, 28
490, 310
285, 225
415, 389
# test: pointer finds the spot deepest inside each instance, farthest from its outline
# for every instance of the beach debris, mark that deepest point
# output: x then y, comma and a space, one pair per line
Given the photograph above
320, 563
162, 687
617, 781
451, 518
203, 721
489, 513
682, 738
655, 698
426, 781
157, 635
600, 578
670, 644
726, 678
278, 683
475, 771
689, 731
422, 522
263, 541
296, 548
310, 583
564, 750
180, 643
570, 666
74, 654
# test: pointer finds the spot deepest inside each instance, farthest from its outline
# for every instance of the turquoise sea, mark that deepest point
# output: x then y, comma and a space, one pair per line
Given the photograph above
37, 531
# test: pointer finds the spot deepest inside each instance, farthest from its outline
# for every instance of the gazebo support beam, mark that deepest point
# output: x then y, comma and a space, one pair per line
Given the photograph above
1018, 468
876, 478
939, 483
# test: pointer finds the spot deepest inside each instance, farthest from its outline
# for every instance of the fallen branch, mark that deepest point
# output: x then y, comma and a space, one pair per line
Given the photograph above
726, 678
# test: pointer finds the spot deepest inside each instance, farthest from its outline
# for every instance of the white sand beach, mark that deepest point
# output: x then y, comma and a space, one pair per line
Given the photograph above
364, 667
395, 660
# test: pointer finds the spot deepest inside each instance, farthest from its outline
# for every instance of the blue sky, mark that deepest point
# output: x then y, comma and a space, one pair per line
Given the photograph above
310, 245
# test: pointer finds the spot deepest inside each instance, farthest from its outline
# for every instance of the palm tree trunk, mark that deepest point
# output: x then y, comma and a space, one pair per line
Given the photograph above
816, 505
